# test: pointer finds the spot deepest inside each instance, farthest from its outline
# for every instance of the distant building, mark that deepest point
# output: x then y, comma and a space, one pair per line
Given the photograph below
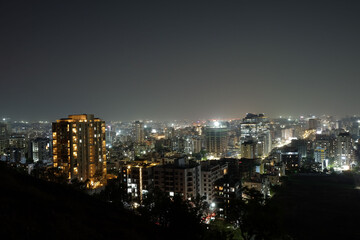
40, 149
17, 147
319, 155
178, 178
258, 182
314, 123
211, 171
216, 140
302, 147
138, 178
197, 143
18, 140
255, 118
328, 143
248, 130
344, 149
266, 144
249, 150
4, 137
110, 135
226, 189
287, 133
290, 157
169, 132
79, 148
139, 132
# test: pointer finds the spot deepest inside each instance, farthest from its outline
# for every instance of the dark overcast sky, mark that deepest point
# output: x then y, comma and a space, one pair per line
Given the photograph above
125, 60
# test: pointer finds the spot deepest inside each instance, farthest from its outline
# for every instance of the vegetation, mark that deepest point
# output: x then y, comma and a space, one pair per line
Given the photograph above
315, 206
179, 218
34, 209
255, 217
115, 193
319, 206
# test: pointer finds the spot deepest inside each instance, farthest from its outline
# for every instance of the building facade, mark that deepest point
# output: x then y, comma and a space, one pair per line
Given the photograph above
216, 140
139, 132
178, 178
79, 148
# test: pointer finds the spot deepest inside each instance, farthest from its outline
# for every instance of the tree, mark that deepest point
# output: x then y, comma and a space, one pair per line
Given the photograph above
115, 192
178, 217
221, 230
57, 175
79, 185
255, 218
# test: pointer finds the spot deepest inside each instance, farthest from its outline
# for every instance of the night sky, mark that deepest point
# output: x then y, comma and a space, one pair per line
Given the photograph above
126, 60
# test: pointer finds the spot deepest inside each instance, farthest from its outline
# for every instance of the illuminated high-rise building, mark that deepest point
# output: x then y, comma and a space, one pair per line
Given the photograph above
79, 148
319, 155
4, 141
169, 133
216, 140
139, 132
39, 149
344, 149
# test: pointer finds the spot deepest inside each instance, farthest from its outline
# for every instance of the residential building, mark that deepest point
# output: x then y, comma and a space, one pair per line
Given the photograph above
79, 148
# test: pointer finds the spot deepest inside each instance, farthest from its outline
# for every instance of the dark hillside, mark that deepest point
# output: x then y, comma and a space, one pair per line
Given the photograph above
31, 208
320, 207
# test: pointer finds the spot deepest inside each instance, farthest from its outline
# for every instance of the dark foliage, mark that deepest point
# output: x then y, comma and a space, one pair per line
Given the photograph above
319, 206
180, 219
31, 208
114, 192
255, 217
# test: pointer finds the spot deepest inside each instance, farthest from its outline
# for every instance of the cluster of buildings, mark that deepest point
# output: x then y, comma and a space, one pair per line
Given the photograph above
23, 142
212, 159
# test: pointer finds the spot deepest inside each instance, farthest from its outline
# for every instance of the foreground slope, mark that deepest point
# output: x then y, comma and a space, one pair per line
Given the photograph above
31, 208
320, 207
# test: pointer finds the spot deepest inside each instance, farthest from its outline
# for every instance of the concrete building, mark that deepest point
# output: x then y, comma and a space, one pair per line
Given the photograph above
179, 178
287, 133
266, 142
249, 150
290, 157
211, 171
4, 137
226, 190
139, 135
314, 123
17, 149
344, 149
328, 143
138, 178
169, 132
216, 140
319, 155
40, 149
79, 148
197, 143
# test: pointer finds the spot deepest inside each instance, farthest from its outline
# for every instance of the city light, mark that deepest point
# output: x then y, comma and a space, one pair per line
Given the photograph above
180, 119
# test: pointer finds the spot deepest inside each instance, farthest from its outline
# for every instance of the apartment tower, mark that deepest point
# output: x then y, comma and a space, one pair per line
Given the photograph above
79, 148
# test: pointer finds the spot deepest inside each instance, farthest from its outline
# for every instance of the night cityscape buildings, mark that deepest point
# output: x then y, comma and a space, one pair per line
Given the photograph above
189, 120
217, 160
77, 145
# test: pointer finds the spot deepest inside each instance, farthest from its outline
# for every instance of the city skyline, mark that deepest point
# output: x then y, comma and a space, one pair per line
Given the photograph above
178, 60
180, 119
222, 119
